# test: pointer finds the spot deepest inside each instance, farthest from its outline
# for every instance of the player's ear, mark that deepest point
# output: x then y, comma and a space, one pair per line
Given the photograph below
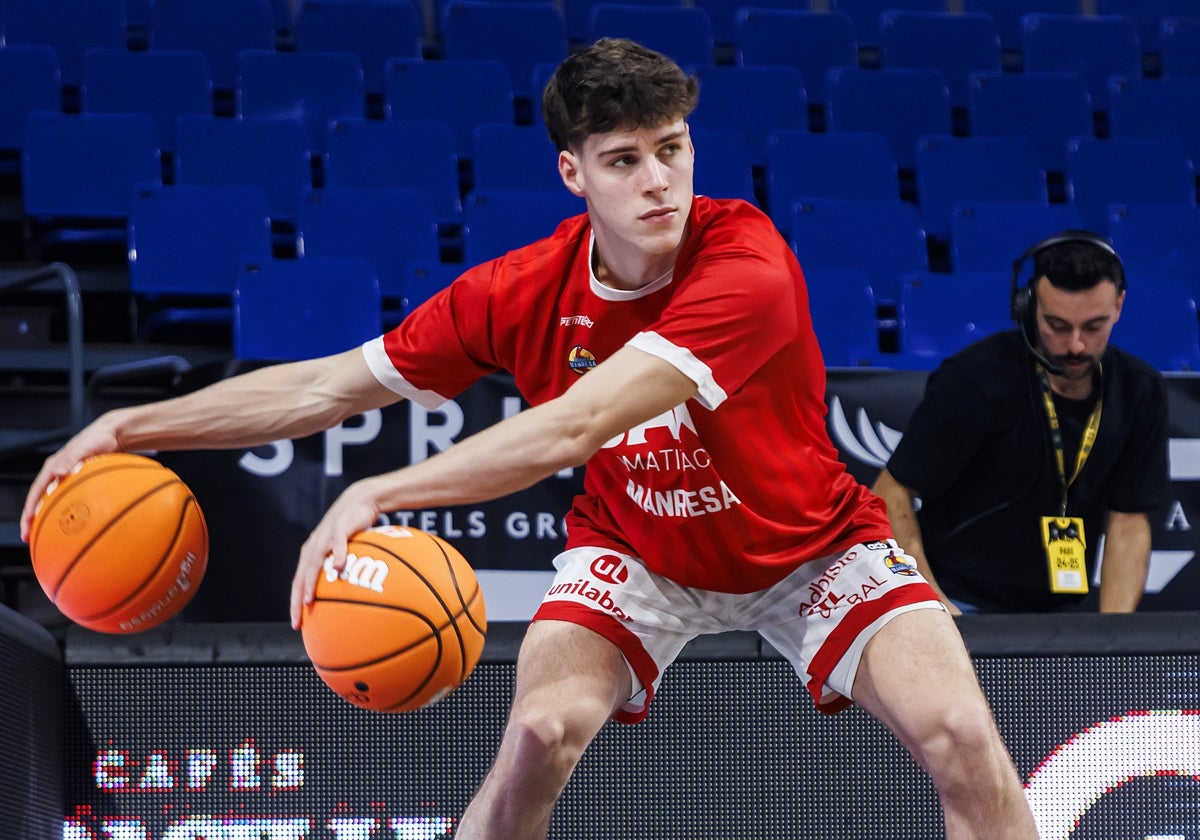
568, 169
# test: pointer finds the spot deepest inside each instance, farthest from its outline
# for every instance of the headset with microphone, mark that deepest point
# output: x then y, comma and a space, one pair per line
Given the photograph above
1024, 301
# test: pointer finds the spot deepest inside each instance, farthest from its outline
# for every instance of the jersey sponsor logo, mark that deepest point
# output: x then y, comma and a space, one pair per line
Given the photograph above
366, 572
610, 568
576, 321
580, 359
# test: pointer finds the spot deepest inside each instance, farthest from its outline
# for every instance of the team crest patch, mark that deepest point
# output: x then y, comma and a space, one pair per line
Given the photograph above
901, 565
581, 359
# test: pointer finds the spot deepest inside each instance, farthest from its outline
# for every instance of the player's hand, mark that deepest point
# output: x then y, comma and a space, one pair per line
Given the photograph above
96, 439
354, 510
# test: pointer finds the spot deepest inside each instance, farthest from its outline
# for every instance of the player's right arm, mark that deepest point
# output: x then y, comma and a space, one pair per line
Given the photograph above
906, 529
272, 403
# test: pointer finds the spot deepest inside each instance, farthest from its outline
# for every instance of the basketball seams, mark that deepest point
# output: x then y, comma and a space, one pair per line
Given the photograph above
150, 578
52, 499
108, 526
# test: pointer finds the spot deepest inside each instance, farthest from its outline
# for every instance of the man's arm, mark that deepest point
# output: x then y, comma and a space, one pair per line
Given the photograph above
906, 529
1126, 561
627, 389
272, 403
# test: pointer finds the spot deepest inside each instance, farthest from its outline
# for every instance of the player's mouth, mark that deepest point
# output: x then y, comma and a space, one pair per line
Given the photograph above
660, 214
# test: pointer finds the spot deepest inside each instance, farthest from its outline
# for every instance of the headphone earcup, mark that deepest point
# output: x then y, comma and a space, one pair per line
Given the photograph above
1022, 306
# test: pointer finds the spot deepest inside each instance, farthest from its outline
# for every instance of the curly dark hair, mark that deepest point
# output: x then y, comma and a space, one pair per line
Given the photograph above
614, 84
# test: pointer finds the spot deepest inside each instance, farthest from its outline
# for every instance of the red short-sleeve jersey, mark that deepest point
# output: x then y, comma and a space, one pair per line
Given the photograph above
730, 491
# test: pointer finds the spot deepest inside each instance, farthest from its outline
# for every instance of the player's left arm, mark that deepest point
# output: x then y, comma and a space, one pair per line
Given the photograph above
627, 389
1126, 561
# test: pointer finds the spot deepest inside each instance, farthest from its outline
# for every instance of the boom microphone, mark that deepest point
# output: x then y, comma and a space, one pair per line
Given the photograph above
1053, 368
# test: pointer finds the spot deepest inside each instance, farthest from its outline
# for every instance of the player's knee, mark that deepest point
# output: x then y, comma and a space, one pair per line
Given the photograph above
545, 741
959, 744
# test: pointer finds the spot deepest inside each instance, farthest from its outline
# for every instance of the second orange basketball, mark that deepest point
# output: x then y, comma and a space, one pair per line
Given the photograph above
120, 544
401, 626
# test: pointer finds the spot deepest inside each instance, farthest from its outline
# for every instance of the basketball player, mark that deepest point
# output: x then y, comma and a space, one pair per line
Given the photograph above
663, 339
1030, 444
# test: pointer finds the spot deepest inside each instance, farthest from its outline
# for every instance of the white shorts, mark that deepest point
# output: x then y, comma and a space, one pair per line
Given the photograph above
820, 617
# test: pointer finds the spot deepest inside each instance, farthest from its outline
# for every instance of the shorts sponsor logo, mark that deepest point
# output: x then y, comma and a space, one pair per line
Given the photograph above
877, 545
859, 594
610, 569
588, 590
900, 564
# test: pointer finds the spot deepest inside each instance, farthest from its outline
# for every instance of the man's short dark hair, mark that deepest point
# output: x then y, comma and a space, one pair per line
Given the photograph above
1079, 262
614, 84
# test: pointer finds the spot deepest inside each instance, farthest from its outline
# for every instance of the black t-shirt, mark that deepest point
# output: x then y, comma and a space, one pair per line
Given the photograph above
977, 451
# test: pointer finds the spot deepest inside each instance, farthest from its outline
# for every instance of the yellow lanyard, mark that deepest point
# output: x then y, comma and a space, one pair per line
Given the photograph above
1056, 439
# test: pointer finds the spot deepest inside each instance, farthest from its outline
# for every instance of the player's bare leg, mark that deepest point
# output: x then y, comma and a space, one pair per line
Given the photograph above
569, 682
916, 677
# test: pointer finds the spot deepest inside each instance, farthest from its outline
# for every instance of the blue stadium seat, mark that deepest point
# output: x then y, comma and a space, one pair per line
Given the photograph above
187, 240
520, 33
161, 83
85, 166
1050, 107
1166, 107
579, 14
865, 15
394, 228
940, 314
1095, 46
207, 25
69, 26
955, 44
314, 88
461, 92
514, 157
380, 153
1180, 43
842, 304
1157, 239
1147, 16
725, 169
723, 14
830, 232
989, 235
372, 30
902, 103
812, 42
1159, 324
1007, 14
752, 100
29, 81
954, 169
1124, 170
304, 308
683, 33
497, 221
851, 165
270, 154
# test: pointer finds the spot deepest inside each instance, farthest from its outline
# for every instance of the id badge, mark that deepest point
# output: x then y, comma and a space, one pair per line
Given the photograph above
1063, 539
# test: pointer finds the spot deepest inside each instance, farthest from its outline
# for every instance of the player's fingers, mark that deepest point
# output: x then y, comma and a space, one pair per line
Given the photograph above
49, 475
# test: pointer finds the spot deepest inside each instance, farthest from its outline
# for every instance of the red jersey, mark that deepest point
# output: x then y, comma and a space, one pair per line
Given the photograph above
730, 491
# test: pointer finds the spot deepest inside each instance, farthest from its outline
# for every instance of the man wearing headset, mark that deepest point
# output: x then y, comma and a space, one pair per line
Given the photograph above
1032, 444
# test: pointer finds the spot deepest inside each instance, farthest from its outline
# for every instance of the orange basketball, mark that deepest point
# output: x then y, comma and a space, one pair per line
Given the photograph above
401, 626
120, 544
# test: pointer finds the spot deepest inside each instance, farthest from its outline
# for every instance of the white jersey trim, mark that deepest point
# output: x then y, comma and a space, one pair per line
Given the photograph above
711, 394
381, 366
617, 295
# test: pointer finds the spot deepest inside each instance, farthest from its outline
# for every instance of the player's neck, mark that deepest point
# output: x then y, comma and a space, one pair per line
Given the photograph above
633, 273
